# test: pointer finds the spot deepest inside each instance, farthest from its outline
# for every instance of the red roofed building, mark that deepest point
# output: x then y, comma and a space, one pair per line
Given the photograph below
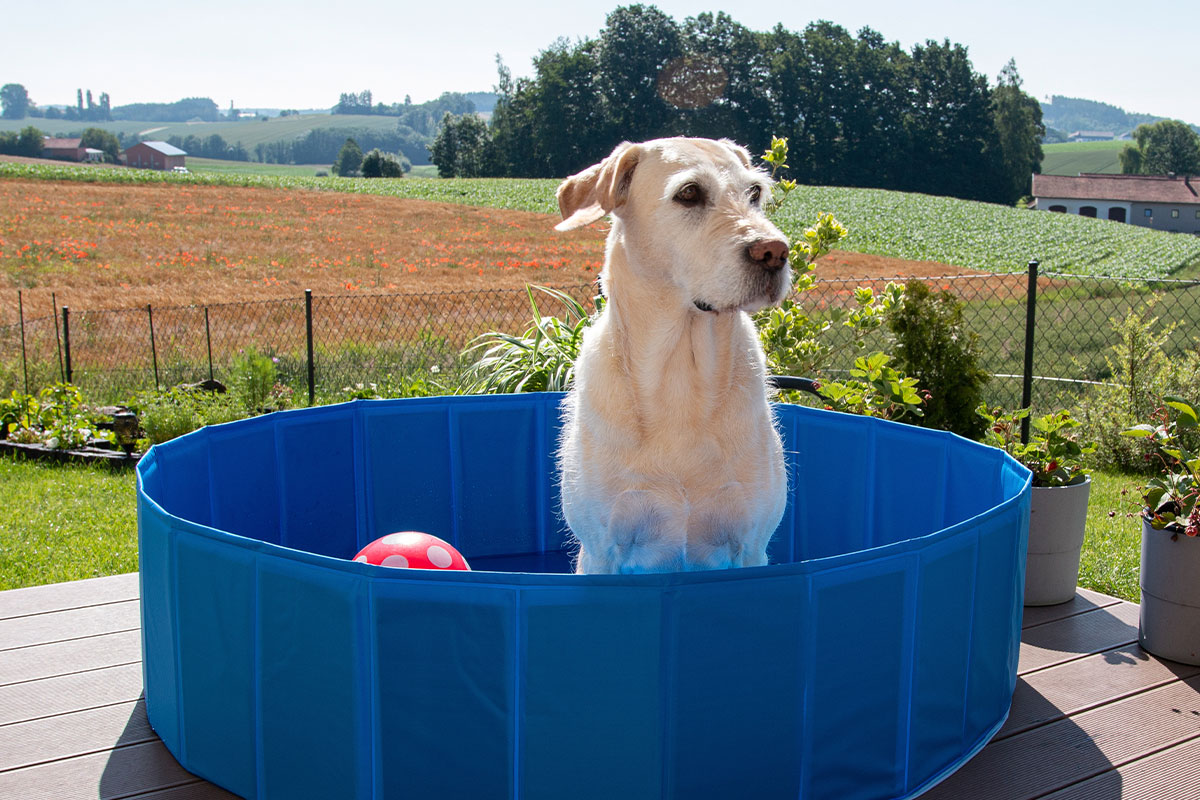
1164, 202
63, 149
154, 155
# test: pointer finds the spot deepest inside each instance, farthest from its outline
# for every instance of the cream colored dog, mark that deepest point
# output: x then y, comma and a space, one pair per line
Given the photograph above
669, 458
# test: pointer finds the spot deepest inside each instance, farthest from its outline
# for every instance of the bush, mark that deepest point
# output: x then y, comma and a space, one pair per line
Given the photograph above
934, 346
166, 415
1140, 375
378, 164
252, 381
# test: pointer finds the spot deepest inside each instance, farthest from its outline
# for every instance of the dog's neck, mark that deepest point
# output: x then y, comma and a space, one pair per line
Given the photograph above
668, 345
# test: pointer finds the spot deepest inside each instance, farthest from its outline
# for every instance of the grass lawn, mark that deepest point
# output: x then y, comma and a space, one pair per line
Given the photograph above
65, 523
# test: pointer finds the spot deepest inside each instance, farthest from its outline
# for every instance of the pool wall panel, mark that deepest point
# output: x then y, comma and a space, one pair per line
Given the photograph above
846, 671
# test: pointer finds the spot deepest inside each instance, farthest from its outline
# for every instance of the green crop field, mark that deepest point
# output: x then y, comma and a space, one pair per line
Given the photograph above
212, 166
967, 234
248, 132
1072, 158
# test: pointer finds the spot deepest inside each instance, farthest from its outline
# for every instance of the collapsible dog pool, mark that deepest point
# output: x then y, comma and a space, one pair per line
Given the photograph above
874, 656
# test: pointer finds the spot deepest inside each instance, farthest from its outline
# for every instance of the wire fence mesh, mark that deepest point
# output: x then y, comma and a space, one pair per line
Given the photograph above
393, 338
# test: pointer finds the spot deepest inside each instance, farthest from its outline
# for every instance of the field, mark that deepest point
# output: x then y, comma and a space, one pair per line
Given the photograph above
1072, 158
248, 132
966, 235
218, 167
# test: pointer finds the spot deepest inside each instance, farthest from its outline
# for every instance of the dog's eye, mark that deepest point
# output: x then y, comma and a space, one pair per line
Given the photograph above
755, 194
690, 194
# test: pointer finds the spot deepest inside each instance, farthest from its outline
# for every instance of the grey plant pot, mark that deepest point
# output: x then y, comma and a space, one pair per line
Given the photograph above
1170, 581
1057, 519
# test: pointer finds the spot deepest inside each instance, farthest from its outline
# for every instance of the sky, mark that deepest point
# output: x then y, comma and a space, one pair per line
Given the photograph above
304, 53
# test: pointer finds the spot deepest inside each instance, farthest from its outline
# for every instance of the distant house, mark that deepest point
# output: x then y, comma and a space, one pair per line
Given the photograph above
1091, 136
1165, 202
154, 155
64, 149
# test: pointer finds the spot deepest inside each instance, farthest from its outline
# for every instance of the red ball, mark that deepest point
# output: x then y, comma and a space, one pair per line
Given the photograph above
412, 549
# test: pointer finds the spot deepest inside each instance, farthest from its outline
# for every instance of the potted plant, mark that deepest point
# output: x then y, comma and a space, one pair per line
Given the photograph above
1058, 510
1170, 575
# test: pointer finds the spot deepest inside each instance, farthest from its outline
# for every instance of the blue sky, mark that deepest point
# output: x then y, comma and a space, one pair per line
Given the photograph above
303, 54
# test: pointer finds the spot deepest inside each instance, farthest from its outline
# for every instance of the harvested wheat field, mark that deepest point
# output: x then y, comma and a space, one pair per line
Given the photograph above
99, 246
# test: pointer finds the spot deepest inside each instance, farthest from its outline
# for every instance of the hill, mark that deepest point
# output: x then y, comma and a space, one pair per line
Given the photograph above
1069, 114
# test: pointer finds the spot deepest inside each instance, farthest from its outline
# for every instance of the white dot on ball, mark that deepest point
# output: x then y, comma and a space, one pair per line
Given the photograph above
399, 539
439, 556
363, 559
395, 560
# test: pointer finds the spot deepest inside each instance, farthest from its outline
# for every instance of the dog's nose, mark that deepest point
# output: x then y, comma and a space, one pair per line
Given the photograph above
771, 253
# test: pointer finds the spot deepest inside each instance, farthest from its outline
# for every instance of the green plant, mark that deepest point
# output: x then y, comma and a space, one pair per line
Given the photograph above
1054, 458
252, 380
542, 359
17, 411
56, 418
875, 389
165, 415
934, 345
1172, 498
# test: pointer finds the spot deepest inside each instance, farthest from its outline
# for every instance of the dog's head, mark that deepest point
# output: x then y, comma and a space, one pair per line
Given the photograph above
690, 214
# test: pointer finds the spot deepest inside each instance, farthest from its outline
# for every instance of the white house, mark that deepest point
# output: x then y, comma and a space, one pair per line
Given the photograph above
1165, 202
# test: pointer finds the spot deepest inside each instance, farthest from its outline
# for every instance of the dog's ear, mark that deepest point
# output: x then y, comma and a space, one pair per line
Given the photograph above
588, 196
742, 153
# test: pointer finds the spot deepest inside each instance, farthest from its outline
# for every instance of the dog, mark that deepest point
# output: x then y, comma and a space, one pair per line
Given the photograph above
669, 457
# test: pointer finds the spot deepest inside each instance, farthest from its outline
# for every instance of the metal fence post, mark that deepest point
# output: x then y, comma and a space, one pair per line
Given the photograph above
312, 385
62, 375
66, 312
208, 340
153, 349
1030, 324
24, 358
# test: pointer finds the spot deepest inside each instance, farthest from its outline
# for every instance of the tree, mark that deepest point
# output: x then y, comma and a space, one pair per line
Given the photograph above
1162, 147
636, 44
378, 164
462, 147
349, 159
1019, 131
100, 139
14, 100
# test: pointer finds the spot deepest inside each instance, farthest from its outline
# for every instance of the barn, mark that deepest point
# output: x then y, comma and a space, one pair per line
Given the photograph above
154, 155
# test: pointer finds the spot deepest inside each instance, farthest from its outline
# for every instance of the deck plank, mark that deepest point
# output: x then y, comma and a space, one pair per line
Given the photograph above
73, 623
1085, 683
64, 694
1082, 635
1084, 600
1078, 748
63, 658
60, 596
1167, 775
119, 773
40, 741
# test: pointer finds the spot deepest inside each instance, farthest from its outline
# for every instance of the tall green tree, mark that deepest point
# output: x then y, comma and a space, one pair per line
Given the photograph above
349, 160
101, 139
14, 101
462, 147
637, 43
1162, 147
1019, 131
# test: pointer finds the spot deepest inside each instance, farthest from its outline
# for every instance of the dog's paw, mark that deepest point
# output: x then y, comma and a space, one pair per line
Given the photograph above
646, 533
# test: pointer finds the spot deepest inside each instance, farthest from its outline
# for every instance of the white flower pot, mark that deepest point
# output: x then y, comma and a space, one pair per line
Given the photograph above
1170, 581
1057, 518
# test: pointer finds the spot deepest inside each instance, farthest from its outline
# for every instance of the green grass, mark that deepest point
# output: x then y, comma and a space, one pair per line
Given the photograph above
1112, 546
64, 523
1072, 158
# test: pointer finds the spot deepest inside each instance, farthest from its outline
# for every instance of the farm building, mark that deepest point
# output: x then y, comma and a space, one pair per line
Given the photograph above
154, 155
64, 149
1165, 202
1091, 136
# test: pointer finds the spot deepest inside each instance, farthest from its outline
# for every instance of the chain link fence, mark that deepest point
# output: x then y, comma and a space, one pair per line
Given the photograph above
391, 339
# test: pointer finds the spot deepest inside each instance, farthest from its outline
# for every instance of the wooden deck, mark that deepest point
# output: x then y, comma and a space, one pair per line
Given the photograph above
1093, 718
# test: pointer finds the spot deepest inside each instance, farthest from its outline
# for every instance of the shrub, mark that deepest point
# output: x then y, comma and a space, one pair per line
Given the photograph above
252, 381
934, 346
166, 415
378, 164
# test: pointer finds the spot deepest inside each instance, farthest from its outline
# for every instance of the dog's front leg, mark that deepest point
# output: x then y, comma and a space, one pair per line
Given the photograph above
647, 532
719, 531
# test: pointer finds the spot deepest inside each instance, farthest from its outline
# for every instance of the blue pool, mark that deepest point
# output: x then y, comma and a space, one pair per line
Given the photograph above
874, 655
